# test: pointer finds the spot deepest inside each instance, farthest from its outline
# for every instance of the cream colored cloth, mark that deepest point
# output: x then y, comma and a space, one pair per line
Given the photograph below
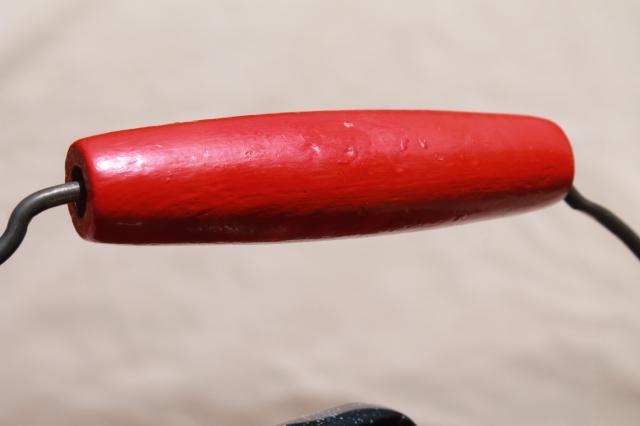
530, 320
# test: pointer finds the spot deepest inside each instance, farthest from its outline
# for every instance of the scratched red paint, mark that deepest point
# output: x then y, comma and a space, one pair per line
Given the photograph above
315, 175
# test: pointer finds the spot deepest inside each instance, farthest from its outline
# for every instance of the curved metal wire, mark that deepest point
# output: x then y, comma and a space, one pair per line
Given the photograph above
606, 218
31, 206
72, 191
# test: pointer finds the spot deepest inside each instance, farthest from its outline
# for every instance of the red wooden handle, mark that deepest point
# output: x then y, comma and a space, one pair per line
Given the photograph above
314, 175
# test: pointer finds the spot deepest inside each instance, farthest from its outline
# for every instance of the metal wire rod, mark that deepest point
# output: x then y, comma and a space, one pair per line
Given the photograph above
606, 218
31, 206
73, 191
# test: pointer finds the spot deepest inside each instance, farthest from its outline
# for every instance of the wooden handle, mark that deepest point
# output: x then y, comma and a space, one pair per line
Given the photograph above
314, 175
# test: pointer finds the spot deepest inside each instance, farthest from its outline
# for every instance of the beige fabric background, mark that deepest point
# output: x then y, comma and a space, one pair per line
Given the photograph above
528, 320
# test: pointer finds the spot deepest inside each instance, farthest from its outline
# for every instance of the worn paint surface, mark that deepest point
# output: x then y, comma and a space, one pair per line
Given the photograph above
315, 175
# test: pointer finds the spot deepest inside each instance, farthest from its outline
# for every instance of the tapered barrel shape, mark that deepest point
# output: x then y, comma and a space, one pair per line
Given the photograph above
314, 175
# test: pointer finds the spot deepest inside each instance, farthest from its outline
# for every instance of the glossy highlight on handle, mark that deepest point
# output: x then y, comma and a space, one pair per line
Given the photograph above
309, 175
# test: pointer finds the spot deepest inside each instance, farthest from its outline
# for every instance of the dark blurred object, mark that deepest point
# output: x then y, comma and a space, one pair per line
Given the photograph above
353, 415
